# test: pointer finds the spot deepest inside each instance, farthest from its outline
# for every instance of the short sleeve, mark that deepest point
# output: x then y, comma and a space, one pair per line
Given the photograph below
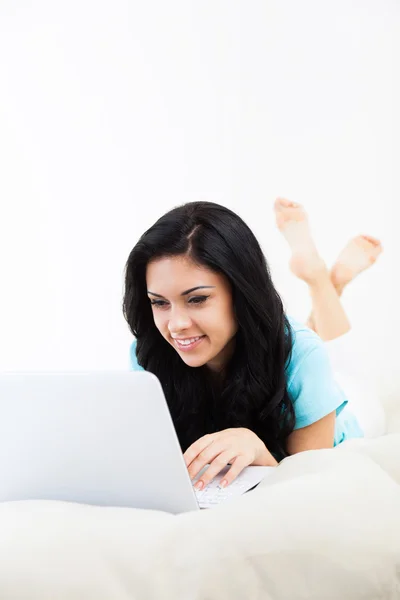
134, 363
313, 389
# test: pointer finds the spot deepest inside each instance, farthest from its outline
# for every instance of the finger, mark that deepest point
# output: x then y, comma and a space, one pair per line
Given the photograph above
194, 450
371, 239
240, 463
205, 457
215, 467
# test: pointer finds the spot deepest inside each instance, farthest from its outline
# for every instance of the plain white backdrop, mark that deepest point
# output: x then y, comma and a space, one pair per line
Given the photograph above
114, 112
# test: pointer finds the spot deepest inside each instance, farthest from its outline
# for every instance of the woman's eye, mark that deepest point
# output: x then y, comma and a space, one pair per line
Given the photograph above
158, 303
164, 304
198, 299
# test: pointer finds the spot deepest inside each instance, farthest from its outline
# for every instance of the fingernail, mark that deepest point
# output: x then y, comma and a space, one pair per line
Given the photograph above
199, 485
224, 483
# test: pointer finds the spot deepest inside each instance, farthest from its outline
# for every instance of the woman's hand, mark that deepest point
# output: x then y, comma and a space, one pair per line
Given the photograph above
238, 446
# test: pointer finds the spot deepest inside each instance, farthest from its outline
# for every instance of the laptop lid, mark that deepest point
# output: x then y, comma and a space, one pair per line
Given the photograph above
104, 438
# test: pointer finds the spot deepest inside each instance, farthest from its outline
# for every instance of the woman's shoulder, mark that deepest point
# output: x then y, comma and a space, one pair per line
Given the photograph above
304, 341
303, 336
310, 380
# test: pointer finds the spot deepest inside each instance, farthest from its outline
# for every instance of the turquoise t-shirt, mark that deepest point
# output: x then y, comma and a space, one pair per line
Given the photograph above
312, 387
311, 384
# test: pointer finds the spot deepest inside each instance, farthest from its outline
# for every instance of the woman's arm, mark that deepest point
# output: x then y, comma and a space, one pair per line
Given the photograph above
313, 437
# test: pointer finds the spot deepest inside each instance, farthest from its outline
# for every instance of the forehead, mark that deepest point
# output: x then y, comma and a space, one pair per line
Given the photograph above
173, 275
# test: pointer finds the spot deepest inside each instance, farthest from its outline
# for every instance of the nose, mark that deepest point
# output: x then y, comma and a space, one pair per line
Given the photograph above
179, 321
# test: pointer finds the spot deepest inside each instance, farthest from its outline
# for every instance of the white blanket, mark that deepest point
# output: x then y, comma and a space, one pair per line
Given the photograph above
325, 526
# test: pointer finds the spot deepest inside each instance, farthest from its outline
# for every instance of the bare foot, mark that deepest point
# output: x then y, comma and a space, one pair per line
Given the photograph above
292, 222
360, 253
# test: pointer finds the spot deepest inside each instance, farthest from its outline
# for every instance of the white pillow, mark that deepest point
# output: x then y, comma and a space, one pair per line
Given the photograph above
324, 526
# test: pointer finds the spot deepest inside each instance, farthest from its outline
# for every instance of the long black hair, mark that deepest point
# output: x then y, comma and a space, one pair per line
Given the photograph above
253, 393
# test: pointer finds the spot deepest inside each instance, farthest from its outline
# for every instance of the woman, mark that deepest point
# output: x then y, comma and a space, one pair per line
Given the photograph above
245, 384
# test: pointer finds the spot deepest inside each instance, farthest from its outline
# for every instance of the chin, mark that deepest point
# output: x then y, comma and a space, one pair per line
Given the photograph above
193, 361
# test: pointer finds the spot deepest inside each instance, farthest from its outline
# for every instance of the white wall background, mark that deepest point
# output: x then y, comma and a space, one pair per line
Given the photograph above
114, 112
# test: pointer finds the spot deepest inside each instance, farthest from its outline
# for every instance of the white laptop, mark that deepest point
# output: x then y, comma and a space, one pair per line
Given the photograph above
103, 438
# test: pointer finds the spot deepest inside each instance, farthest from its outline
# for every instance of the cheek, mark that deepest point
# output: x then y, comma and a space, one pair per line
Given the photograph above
230, 323
160, 320
222, 324
230, 326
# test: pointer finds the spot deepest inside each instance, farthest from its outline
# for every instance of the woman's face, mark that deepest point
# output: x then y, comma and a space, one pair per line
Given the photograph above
193, 310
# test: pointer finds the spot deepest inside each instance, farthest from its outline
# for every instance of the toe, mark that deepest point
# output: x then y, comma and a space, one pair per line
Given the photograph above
372, 240
282, 203
370, 246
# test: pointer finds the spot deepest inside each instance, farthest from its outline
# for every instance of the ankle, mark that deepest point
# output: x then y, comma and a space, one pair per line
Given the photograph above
308, 266
340, 277
339, 287
319, 277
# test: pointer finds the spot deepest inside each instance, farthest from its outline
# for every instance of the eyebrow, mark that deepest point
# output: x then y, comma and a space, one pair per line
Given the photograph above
199, 287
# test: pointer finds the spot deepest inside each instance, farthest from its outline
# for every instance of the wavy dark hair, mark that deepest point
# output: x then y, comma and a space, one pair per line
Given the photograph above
253, 393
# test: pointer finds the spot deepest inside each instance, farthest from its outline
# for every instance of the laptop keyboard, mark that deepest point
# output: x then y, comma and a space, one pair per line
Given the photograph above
214, 494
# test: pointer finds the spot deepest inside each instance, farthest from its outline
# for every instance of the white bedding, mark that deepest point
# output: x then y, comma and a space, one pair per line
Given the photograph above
324, 526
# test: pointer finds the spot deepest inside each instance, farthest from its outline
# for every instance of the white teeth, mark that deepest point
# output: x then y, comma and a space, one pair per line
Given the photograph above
188, 342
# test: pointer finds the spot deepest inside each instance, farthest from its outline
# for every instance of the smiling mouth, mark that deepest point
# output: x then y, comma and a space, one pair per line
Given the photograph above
188, 343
